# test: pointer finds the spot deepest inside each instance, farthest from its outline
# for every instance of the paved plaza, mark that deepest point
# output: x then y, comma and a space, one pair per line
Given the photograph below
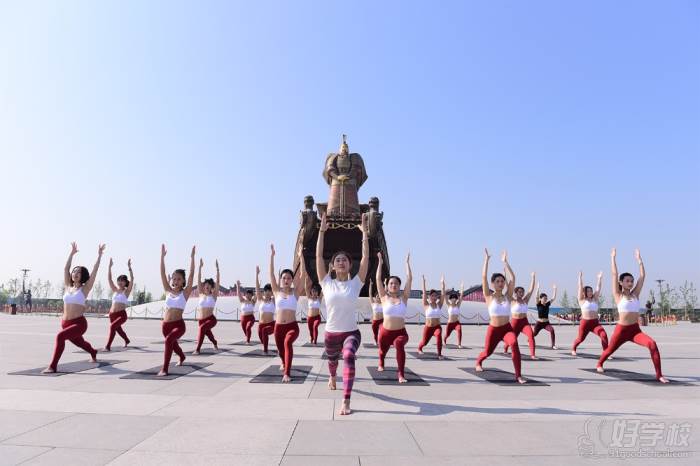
216, 416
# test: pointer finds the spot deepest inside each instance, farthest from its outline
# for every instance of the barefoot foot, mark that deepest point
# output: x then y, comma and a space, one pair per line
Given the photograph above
49, 370
478, 368
286, 379
600, 369
380, 368
521, 380
181, 362
331, 383
162, 373
402, 379
663, 380
573, 353
345, 408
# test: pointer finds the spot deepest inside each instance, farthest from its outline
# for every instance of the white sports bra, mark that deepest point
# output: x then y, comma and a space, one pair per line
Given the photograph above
288, 302
394, 310
247, 308
589, 306
176, 302
377, 308
433, 312
518, 308
314, 304
452, 310
267, 307
628, 305
75, 297
497, 309
120, 298
207, 301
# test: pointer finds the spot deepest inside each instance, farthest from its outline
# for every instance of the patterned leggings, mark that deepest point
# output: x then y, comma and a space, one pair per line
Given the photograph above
347, 343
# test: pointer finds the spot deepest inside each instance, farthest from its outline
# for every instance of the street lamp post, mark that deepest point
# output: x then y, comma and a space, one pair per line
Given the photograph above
661, 300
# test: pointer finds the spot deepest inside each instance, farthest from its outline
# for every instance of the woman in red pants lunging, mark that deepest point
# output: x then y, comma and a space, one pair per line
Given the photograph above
626, 295
208, 293
120, 301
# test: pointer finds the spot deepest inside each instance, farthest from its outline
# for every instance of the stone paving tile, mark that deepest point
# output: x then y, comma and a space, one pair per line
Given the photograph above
73, 457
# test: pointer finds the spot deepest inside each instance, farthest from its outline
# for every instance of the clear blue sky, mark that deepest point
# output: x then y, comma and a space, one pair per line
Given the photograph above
554, 129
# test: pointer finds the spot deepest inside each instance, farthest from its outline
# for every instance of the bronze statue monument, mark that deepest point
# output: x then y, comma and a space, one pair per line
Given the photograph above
345, 173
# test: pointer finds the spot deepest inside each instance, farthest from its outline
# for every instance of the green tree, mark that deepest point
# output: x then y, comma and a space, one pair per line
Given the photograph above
687, 296
564, 301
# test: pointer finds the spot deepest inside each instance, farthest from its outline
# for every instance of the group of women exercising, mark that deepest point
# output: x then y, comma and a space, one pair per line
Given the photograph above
277, 306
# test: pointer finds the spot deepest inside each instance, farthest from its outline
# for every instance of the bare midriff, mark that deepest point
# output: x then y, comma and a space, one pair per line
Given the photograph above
589, 315
73, 311
628, 318
205, 312
172, 314
498, 321
394, 323
286, 316
117, 307
432, 321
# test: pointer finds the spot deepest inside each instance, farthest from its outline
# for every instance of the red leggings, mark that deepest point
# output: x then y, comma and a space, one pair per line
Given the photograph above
313, 323
454, 326
625, 333
493, 336
285, 334
116, 319
521, 325
375, 328
398, 338
547, 326
73, 331
264, 332
172, 331
247, 322
205, 326
428, 333
590, 325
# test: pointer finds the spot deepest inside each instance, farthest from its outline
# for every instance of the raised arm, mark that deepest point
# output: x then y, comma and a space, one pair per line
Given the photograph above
461, 295
554, 293
321, 270
425, 293
642, 274
112, 286
531, 289
581, 294
509, 270
409, 279
370, 290
163, 275
364, 262
200, 285
67, 280
93, 275
484, 275
258, 293
190, 277
131, 279
273, 276
613, 271
218, 279
598, 286
381, 290
443, 298
238, 290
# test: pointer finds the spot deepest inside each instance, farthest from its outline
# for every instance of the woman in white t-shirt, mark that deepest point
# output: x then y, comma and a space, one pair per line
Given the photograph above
342, 299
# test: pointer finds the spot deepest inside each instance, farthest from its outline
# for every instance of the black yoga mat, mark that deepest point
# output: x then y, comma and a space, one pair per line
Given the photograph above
595, 356
273, 374
181, 340
390, 377
174, 371
427, 356
69, 368
243, 343
309, 345
208, 352
499, 377
629, 376
258, 353
451, 346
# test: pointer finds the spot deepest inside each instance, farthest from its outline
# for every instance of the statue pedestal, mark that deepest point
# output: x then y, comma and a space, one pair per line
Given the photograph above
344, 234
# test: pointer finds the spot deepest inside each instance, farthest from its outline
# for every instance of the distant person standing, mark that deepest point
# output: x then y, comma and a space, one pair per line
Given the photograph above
28, 300
649, 309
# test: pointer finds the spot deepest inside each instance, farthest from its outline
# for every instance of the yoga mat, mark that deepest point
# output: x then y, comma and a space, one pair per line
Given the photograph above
390, 377
273, 374
174, 371
499, 377
68, 368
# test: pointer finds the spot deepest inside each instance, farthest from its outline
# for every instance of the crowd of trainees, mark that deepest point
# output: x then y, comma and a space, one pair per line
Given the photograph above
277, 303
